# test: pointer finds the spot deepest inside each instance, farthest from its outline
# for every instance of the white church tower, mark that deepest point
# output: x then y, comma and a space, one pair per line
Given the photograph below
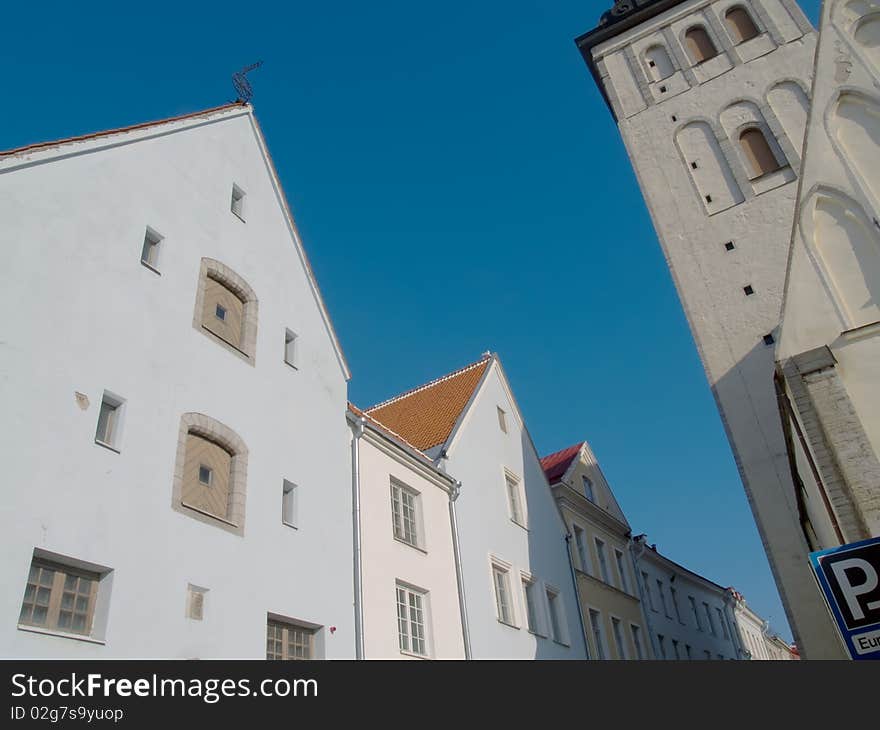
711, 99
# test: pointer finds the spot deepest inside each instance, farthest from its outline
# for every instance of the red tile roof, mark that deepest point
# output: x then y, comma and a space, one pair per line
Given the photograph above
556, 464
425, 416
118, 130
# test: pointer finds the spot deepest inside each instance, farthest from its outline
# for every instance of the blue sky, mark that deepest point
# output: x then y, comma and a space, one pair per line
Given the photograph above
460, 187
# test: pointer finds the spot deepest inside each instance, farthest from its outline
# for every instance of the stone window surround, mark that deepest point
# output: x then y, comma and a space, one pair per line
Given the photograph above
211, 429
211, 268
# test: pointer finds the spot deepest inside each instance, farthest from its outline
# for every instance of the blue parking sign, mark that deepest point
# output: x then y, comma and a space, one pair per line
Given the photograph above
849, 577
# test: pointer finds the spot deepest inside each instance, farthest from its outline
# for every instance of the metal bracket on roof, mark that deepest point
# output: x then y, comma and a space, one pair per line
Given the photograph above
242, 85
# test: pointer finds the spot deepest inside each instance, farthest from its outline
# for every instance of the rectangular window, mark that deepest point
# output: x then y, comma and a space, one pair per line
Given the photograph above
290, 348
662, 594
411, 624
109, 421
603, 562
723, 623
675, 604
618, 638
621, 569
289, 503
709, 618
637, 641
150, 250
696, 613
531, 604
206, 475
555, 619
288, 640
503, 607
237, 204
675, 649
403, 511
596, 627
502, 419
59, 597
588, 488
647, 585
514, 500
662, 642
687, 651
195, 602
581, 545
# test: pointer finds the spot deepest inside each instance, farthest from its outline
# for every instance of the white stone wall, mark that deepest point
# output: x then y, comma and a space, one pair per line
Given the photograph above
683, 144
86, 316
428, 567
478, 456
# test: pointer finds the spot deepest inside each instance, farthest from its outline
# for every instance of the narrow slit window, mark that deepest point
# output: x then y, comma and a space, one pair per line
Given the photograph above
288, 504
109, 421
290, 347
151, 248
237, 205
769, 339
729, 246
502, 419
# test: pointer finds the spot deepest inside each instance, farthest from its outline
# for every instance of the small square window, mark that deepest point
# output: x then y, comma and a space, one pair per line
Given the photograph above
708, 198
195, 602
290, 347
150, 250
729, 246
206, 475
109, 421
220, 312
237, 205
674, 118
694, 165
651, 64
289, 503
748, 290
769, 339
502, 419
662, 89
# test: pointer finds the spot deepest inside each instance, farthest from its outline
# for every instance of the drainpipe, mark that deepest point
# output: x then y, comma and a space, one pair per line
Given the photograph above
636, 550
577, 594
358, 431
459, 578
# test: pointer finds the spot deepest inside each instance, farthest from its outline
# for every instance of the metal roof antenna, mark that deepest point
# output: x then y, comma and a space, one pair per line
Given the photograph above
242, 85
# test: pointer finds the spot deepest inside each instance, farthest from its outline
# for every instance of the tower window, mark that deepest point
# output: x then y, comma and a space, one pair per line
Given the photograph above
699, 45
740, 25
659, 64
729, 246
769, 339
694, 165
748, 290
150, 250
708, 198
237, 204
759, 156
662, 89
674, 118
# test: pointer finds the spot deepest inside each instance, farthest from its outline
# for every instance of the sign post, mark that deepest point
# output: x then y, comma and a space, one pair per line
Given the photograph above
849, 577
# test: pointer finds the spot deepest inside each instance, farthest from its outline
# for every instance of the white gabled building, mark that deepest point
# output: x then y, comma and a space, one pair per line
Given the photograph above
519, 586
711, 99
406, 548
176, 456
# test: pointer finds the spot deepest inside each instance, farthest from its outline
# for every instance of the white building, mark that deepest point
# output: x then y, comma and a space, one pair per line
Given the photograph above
688, 616
829, 349
177, 475
519, 585
411, 603
711, 100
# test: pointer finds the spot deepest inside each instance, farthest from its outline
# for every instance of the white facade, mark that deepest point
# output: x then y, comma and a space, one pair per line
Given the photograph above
410, 586
721, 209
88, 318
829, 349
687, 616
481, 455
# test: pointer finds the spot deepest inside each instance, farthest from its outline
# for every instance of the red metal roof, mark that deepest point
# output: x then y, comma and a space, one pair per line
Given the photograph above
555, 465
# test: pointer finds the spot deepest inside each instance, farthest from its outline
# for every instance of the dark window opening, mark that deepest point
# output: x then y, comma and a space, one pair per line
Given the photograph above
748, 290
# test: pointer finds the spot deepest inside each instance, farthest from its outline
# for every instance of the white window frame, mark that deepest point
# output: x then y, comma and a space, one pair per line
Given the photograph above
503, 569
582, 548
530, 582
502, 419
516, 499
621, 569
289, 504
406, 624
117, 421
560, 637
398, 518
597, 631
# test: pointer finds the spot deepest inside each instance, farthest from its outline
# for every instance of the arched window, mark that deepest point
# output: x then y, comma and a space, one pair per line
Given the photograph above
699, 44
740, 25
758, 154
658, 63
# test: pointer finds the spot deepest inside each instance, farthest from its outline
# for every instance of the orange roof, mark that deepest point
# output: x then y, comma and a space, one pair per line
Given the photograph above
425, 416
118, 130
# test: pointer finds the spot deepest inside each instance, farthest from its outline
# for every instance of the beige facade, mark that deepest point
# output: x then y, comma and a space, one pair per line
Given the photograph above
599, 537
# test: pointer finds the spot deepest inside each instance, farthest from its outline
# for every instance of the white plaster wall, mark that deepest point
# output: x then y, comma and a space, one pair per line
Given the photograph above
478, 456
728, 326
685, 631
387, 560
90, 317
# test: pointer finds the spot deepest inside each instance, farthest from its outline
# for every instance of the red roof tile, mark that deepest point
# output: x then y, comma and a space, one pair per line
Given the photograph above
556, 464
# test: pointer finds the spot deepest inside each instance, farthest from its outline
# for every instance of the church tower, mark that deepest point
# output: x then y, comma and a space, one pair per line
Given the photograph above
711, 99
